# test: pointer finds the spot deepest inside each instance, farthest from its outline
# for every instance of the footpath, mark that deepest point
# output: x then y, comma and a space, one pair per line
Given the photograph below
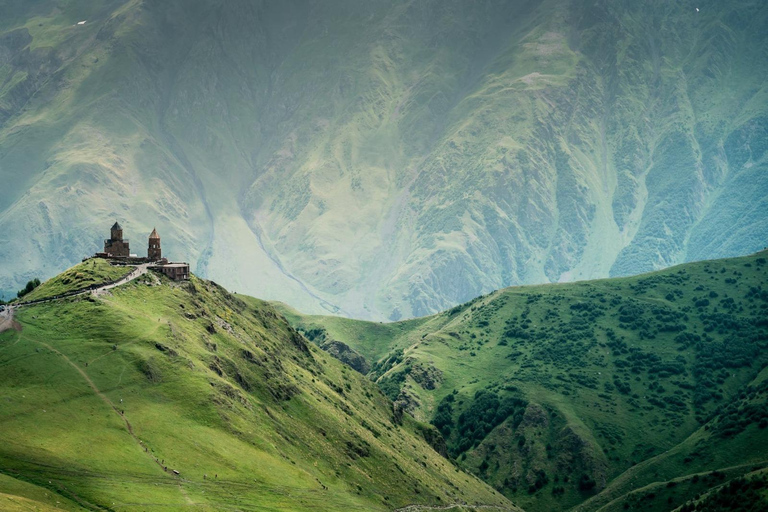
6, 316
6, 320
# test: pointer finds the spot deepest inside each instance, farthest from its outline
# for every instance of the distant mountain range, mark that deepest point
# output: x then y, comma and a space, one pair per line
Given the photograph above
384, 159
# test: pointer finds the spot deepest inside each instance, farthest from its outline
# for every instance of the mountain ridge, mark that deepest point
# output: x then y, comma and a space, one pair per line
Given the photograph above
454, 150
164, 395
639, 392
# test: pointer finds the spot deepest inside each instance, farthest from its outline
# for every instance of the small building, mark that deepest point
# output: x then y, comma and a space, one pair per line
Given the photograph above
153, 251
175, 271
116, 246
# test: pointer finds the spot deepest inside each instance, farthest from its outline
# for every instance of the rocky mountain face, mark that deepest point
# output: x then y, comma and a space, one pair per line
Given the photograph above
384, 159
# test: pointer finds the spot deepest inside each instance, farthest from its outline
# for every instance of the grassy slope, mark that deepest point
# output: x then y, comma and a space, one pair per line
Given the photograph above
747, 493
18, 495
705, 460
91, 272
614, 378
370, 339
159, 377
455, 148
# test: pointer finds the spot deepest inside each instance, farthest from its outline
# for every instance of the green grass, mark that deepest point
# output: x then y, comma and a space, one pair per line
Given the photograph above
94, 271
19, 495
104, 398
750, 492
623, 382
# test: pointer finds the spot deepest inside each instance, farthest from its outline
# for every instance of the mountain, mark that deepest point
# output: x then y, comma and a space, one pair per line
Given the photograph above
636, 393
383, 159
159, 395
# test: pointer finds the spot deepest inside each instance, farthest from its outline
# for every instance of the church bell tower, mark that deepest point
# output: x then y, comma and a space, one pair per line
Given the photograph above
153, 252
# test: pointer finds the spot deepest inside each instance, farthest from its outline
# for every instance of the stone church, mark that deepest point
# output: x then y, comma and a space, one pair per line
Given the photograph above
116, 246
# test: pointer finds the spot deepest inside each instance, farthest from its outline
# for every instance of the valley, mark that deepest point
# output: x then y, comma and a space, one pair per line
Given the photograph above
589, 395
643, 393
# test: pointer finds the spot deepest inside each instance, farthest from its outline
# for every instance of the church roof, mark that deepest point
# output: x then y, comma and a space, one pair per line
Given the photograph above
154, 235
116, 226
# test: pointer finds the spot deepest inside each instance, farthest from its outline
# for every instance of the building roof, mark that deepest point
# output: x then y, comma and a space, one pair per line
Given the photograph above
154, 235
116, 226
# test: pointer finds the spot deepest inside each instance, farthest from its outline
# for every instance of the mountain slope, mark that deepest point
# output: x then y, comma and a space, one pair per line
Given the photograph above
592, 394
385, 159
161, 395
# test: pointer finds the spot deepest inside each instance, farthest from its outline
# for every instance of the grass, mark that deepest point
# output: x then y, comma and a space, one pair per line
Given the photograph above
160, 376
568, 394
18, 495
94, 271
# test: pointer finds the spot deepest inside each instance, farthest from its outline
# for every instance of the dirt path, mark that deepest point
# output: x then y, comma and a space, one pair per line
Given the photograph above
419, 508
137, 272
7, 322
6, 316
107, 401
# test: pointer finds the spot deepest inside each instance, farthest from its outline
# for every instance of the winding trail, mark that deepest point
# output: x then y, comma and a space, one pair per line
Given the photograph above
106, 400
138, 271
7, 322
419, 508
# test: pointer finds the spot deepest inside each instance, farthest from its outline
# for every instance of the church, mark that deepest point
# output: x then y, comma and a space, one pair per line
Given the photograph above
117, 247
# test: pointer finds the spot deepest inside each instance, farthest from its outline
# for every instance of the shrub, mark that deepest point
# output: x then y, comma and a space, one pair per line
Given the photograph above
31, 285
586, 483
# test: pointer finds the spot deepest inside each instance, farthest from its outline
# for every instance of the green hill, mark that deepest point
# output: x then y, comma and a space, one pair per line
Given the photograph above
633, 393
383, 159
93, 272
167, 396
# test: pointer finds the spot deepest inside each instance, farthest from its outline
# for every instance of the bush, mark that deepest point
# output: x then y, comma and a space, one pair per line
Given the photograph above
483, 413
31, 285
586, 483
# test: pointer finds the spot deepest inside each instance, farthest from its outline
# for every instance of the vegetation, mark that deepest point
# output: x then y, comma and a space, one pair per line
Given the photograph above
31, 285
92, 272
744, 494
165, 396
576, 395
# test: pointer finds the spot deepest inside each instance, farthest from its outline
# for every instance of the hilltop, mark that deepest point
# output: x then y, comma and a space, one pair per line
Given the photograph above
164, 395
384, 159
636, 393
